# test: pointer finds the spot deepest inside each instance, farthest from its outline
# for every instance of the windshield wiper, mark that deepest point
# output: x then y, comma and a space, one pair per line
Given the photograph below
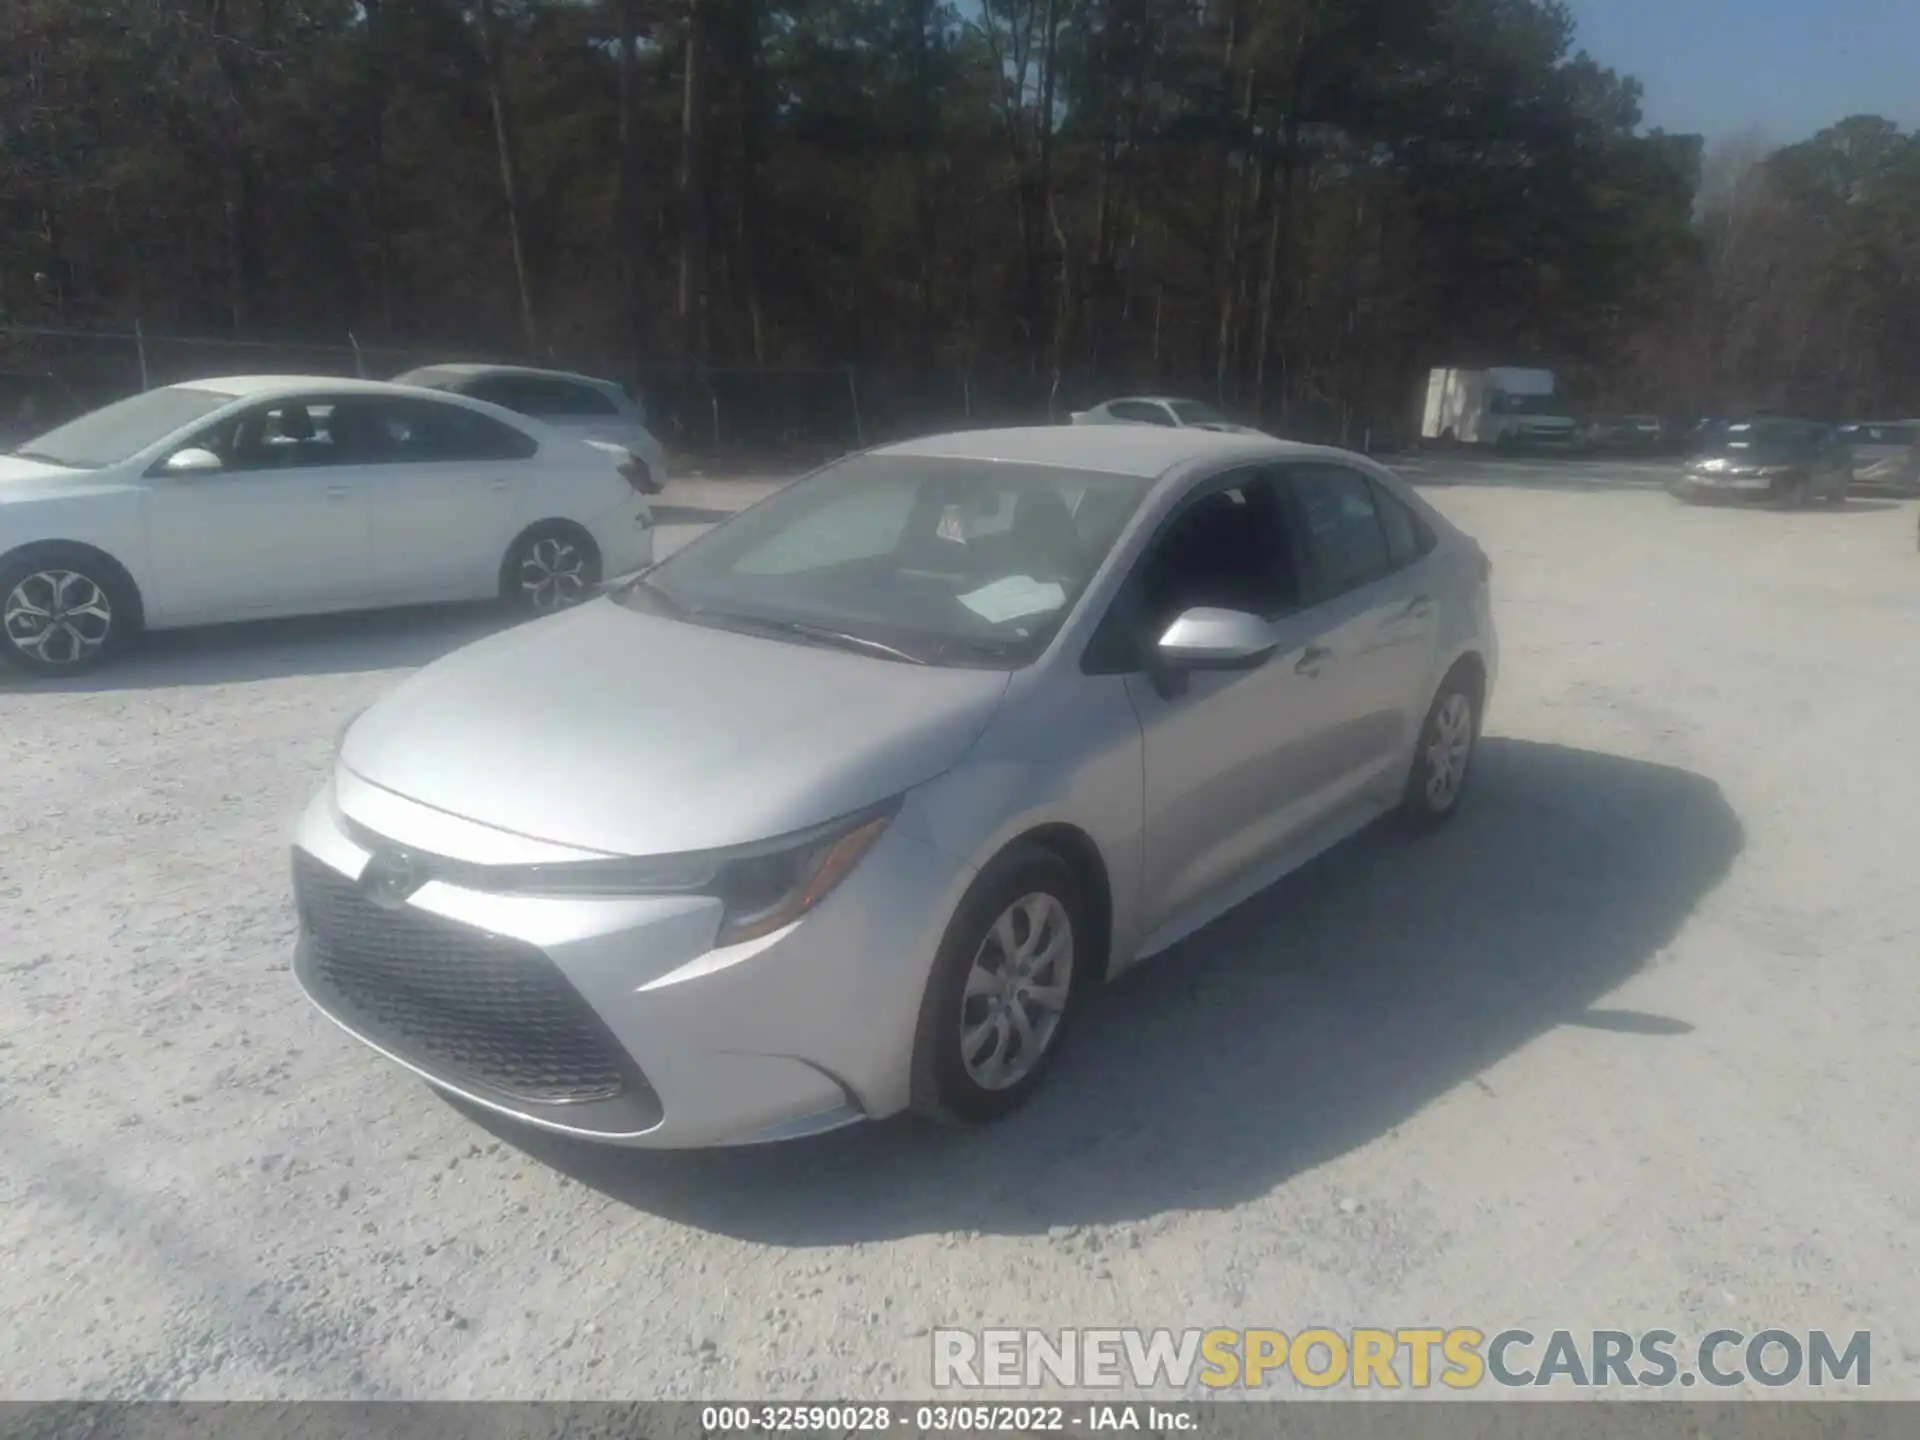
817, 632
44, 459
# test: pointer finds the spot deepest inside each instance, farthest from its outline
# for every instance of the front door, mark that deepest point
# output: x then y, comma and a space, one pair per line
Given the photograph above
279, 529
1230, 773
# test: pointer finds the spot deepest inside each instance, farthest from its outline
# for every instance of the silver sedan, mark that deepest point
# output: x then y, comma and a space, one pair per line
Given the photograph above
848, 807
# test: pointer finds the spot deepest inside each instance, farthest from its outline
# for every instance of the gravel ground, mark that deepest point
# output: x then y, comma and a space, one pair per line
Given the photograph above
1630, 1045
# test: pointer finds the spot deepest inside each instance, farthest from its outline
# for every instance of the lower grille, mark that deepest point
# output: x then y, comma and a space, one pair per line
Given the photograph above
463, 1004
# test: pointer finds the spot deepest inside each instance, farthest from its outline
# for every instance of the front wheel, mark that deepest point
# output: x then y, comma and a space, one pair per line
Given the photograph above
549, 570
1444, 753
1004, 986
62, 612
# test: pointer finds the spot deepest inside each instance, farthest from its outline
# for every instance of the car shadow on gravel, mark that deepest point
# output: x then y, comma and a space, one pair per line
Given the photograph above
353, 643
1308, 1022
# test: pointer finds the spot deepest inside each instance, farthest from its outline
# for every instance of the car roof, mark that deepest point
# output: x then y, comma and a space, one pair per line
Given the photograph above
1144, 451
468, 369
254, 387
1152, 400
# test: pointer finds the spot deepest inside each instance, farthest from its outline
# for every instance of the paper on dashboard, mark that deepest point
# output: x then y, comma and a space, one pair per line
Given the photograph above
1014, 598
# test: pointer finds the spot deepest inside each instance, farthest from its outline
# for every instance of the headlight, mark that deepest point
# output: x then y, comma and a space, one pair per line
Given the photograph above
762, 887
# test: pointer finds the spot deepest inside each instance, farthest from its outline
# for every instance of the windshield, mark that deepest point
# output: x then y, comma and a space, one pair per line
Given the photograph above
945, 561
1192, 412
1764, 437
123, 429
1506, 403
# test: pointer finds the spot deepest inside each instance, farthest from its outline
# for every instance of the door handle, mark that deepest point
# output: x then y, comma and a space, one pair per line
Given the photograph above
1312, 660
1420, 607
339, 492
500, 485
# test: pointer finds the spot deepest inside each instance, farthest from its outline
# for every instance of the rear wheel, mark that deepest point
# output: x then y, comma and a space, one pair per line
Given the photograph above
551, 568
63, 610
1003, 989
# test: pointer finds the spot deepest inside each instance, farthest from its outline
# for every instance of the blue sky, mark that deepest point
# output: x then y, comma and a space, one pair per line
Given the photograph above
1784, 67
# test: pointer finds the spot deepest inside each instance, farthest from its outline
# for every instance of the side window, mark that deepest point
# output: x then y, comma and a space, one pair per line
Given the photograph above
398, 432
1408, 537
501, 390
1345, 538
1144, 414
1229, 547
585, 400
284, 435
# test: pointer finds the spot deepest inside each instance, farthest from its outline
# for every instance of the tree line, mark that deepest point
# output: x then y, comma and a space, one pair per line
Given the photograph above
1290, 206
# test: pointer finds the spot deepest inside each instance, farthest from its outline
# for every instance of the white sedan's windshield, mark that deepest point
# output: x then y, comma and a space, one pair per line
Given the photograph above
123, 429
940, 560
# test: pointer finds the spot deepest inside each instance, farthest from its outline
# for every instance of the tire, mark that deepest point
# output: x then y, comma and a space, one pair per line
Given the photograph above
1449, 738
1798, 495
549, 569
90, 610
954, 1083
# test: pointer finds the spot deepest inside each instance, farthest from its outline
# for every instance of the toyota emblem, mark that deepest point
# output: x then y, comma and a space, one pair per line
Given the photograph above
391, 877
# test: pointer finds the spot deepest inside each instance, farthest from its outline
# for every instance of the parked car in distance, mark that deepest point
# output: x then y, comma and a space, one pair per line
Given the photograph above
1886, 455
1166, 411
1627, 435
30, 403
248, 497
1771, 460
1049, 700
593, 409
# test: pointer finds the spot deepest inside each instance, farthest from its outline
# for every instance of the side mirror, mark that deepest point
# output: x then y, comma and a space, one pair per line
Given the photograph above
192, 461
1209, 639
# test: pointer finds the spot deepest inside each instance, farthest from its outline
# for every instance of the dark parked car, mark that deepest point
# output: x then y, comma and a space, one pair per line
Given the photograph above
1886, 455
1628, 435
1772, 460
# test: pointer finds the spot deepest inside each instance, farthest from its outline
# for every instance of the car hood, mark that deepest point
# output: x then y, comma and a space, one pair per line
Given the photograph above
607, 729
20, 478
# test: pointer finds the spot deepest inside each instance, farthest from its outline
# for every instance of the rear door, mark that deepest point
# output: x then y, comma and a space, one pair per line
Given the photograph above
447, 488
281, 528
1373, 605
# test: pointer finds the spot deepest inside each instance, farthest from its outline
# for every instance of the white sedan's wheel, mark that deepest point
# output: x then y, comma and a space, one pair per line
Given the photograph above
551, 570
60, 614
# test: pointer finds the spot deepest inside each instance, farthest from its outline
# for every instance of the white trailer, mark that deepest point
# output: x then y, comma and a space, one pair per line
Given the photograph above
1504, 406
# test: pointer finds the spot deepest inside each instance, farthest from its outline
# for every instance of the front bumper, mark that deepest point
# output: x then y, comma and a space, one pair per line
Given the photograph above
614, 1019
1729, 490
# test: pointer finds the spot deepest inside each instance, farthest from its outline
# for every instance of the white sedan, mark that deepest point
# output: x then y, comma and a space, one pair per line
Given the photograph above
238, 499
1167, 411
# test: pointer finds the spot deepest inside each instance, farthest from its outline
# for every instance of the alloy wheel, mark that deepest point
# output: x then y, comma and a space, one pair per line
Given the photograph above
553, 574
1016, 992
59, 618
1448, 750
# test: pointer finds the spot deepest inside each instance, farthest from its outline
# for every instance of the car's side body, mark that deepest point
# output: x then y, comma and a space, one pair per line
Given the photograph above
1173, 801
1886, 455
575, 404
299, 538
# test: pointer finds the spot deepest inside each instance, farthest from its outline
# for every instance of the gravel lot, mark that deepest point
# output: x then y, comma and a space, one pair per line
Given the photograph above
1631, 1045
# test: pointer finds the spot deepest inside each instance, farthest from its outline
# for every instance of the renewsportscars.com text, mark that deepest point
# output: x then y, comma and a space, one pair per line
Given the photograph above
1417, 1358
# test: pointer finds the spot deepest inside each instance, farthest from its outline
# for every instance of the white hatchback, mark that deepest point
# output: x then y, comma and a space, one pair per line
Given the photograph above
244, 498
